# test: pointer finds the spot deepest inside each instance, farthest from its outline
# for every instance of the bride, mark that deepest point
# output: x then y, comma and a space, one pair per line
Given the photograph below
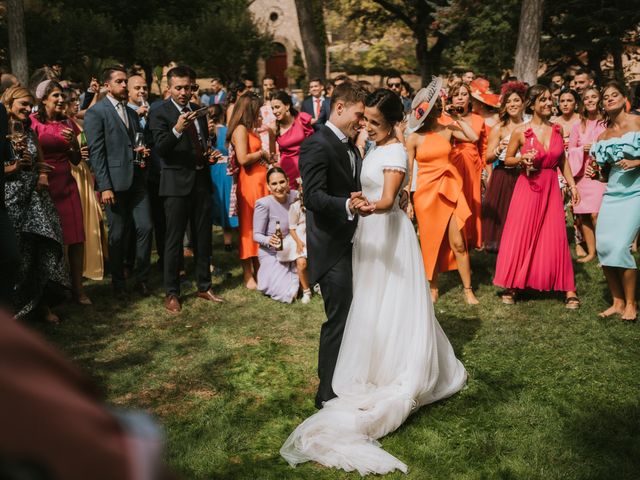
394, 356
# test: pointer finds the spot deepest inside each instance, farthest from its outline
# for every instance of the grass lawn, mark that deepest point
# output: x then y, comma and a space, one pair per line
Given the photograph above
552, 393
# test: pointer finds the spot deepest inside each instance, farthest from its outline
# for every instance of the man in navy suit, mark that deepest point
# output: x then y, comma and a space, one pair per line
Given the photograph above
316, 104
180, 138
111, 127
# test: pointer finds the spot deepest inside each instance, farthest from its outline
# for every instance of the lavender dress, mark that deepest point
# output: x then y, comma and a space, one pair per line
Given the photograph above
278, 280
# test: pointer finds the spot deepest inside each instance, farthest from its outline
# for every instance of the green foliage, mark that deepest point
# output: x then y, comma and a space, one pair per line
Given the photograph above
215, 37
551, 394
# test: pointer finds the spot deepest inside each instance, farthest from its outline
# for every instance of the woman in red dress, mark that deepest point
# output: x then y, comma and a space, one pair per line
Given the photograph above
291, 130
252, 177
57, 136
534, 250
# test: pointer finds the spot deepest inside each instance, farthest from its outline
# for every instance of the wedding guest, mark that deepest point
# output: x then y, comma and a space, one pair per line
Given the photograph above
569, 106
218, 94
316, 105
406, 95
222, 183
582, 79
111, 128
583, 134
395, 84
291, 130
180, 137
468, 157
295, 244
252, 160
439, 202
534, 250
468, 76
41, 271
268, 87
236, 90
276, 279
57, 136
503, 178
485, 103
618, 151
92, 216
138, 98
8, 247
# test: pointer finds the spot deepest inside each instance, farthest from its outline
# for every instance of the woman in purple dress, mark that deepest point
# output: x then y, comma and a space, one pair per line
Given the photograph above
278, 280
291, 130
534, 250
57, 136
583, 134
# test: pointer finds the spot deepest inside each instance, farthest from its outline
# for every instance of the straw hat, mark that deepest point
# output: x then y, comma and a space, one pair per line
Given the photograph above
480, 90
423, 102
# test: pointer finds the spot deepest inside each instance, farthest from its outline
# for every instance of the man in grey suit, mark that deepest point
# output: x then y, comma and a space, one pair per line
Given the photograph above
110, 127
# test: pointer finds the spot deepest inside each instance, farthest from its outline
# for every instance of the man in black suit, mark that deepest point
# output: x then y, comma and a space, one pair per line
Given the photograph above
316, 104
330, 166
180, 137
111, 127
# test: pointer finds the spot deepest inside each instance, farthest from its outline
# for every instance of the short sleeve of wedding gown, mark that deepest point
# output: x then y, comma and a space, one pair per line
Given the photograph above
395, 159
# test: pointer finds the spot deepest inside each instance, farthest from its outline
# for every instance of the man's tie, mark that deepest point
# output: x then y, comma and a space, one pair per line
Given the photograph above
122, 112
192, 131
352, 154
318, 107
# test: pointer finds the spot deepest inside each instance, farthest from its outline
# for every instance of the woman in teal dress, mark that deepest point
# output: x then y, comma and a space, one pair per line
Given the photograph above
618, 151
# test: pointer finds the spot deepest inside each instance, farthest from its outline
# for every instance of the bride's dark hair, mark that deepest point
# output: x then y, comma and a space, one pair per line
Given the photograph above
388, 103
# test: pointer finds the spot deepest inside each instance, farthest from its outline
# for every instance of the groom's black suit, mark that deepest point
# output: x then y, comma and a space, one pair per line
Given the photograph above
328, 180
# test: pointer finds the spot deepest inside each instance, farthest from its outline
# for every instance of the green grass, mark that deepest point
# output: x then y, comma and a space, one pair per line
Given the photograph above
552, 393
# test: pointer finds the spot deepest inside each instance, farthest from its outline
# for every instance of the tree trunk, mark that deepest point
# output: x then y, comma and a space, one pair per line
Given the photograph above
528, 46
17, 40
422, 55
311, 39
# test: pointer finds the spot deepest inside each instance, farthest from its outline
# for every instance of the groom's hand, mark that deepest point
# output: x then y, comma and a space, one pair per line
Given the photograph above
356, 201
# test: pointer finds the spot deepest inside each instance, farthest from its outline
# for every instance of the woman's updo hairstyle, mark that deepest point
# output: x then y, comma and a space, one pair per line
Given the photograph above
274, 170
388, 103
532, 95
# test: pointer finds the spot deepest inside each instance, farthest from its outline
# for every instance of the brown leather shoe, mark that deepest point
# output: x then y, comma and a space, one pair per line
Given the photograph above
172, 304
210, 296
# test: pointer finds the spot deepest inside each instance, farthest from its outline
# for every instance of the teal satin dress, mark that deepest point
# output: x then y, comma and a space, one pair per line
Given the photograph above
619, 219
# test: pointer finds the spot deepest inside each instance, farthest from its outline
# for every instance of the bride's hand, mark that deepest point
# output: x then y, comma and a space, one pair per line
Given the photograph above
367, 209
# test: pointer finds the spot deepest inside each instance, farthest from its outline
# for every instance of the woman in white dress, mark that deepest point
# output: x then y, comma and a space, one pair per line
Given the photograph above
394, 356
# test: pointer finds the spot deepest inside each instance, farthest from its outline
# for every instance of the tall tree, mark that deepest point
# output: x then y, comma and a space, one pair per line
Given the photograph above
528, 47
313, 37
17, 40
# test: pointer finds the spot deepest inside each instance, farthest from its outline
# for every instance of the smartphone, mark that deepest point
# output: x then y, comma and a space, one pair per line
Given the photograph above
201, 112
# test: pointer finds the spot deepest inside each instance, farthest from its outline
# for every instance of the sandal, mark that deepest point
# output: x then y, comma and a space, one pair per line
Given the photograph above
508, 297
572, 303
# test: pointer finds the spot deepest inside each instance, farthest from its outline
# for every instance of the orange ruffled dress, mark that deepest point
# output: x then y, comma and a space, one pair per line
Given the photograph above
469, 159
252, 185
437, 199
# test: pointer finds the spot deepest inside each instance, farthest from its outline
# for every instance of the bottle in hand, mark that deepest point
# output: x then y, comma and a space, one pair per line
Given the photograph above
279, 235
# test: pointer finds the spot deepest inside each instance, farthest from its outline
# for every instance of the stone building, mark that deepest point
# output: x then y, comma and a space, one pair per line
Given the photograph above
279, 17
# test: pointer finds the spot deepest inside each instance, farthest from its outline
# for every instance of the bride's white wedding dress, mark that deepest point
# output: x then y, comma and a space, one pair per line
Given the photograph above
394, 356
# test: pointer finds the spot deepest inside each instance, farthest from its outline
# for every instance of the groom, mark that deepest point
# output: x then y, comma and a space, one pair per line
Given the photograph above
330, 166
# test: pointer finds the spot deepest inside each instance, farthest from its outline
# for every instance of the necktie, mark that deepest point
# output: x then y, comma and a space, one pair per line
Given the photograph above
122, 112
318, 107
352, 155
192, 131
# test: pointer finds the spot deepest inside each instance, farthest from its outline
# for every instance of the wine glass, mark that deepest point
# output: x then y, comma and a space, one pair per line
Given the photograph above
534, 153
139, 146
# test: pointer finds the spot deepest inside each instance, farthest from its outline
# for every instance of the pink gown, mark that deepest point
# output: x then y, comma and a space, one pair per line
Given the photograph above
289, 143
534, 251
590, 190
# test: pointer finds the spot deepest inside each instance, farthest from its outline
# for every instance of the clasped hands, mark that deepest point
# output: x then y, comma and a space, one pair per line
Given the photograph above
359, 204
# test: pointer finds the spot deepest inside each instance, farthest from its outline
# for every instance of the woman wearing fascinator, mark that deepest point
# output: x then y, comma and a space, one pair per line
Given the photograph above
394, 356
440, 206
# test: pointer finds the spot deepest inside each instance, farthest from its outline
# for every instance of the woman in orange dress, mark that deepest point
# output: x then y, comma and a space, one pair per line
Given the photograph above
252, 177
469, 158
439, 203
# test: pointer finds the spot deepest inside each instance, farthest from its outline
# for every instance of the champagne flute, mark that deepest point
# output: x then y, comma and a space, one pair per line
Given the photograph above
533, 152
139, 147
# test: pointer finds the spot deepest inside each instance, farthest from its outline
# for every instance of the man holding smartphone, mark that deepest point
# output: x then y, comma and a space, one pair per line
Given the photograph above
180, 137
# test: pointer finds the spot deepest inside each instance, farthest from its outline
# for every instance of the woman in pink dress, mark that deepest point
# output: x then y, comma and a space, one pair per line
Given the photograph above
583, 135
57, 136
534, 251
290, 130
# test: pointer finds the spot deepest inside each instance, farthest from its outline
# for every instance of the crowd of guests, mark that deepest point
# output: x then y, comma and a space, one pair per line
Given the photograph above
94, 177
